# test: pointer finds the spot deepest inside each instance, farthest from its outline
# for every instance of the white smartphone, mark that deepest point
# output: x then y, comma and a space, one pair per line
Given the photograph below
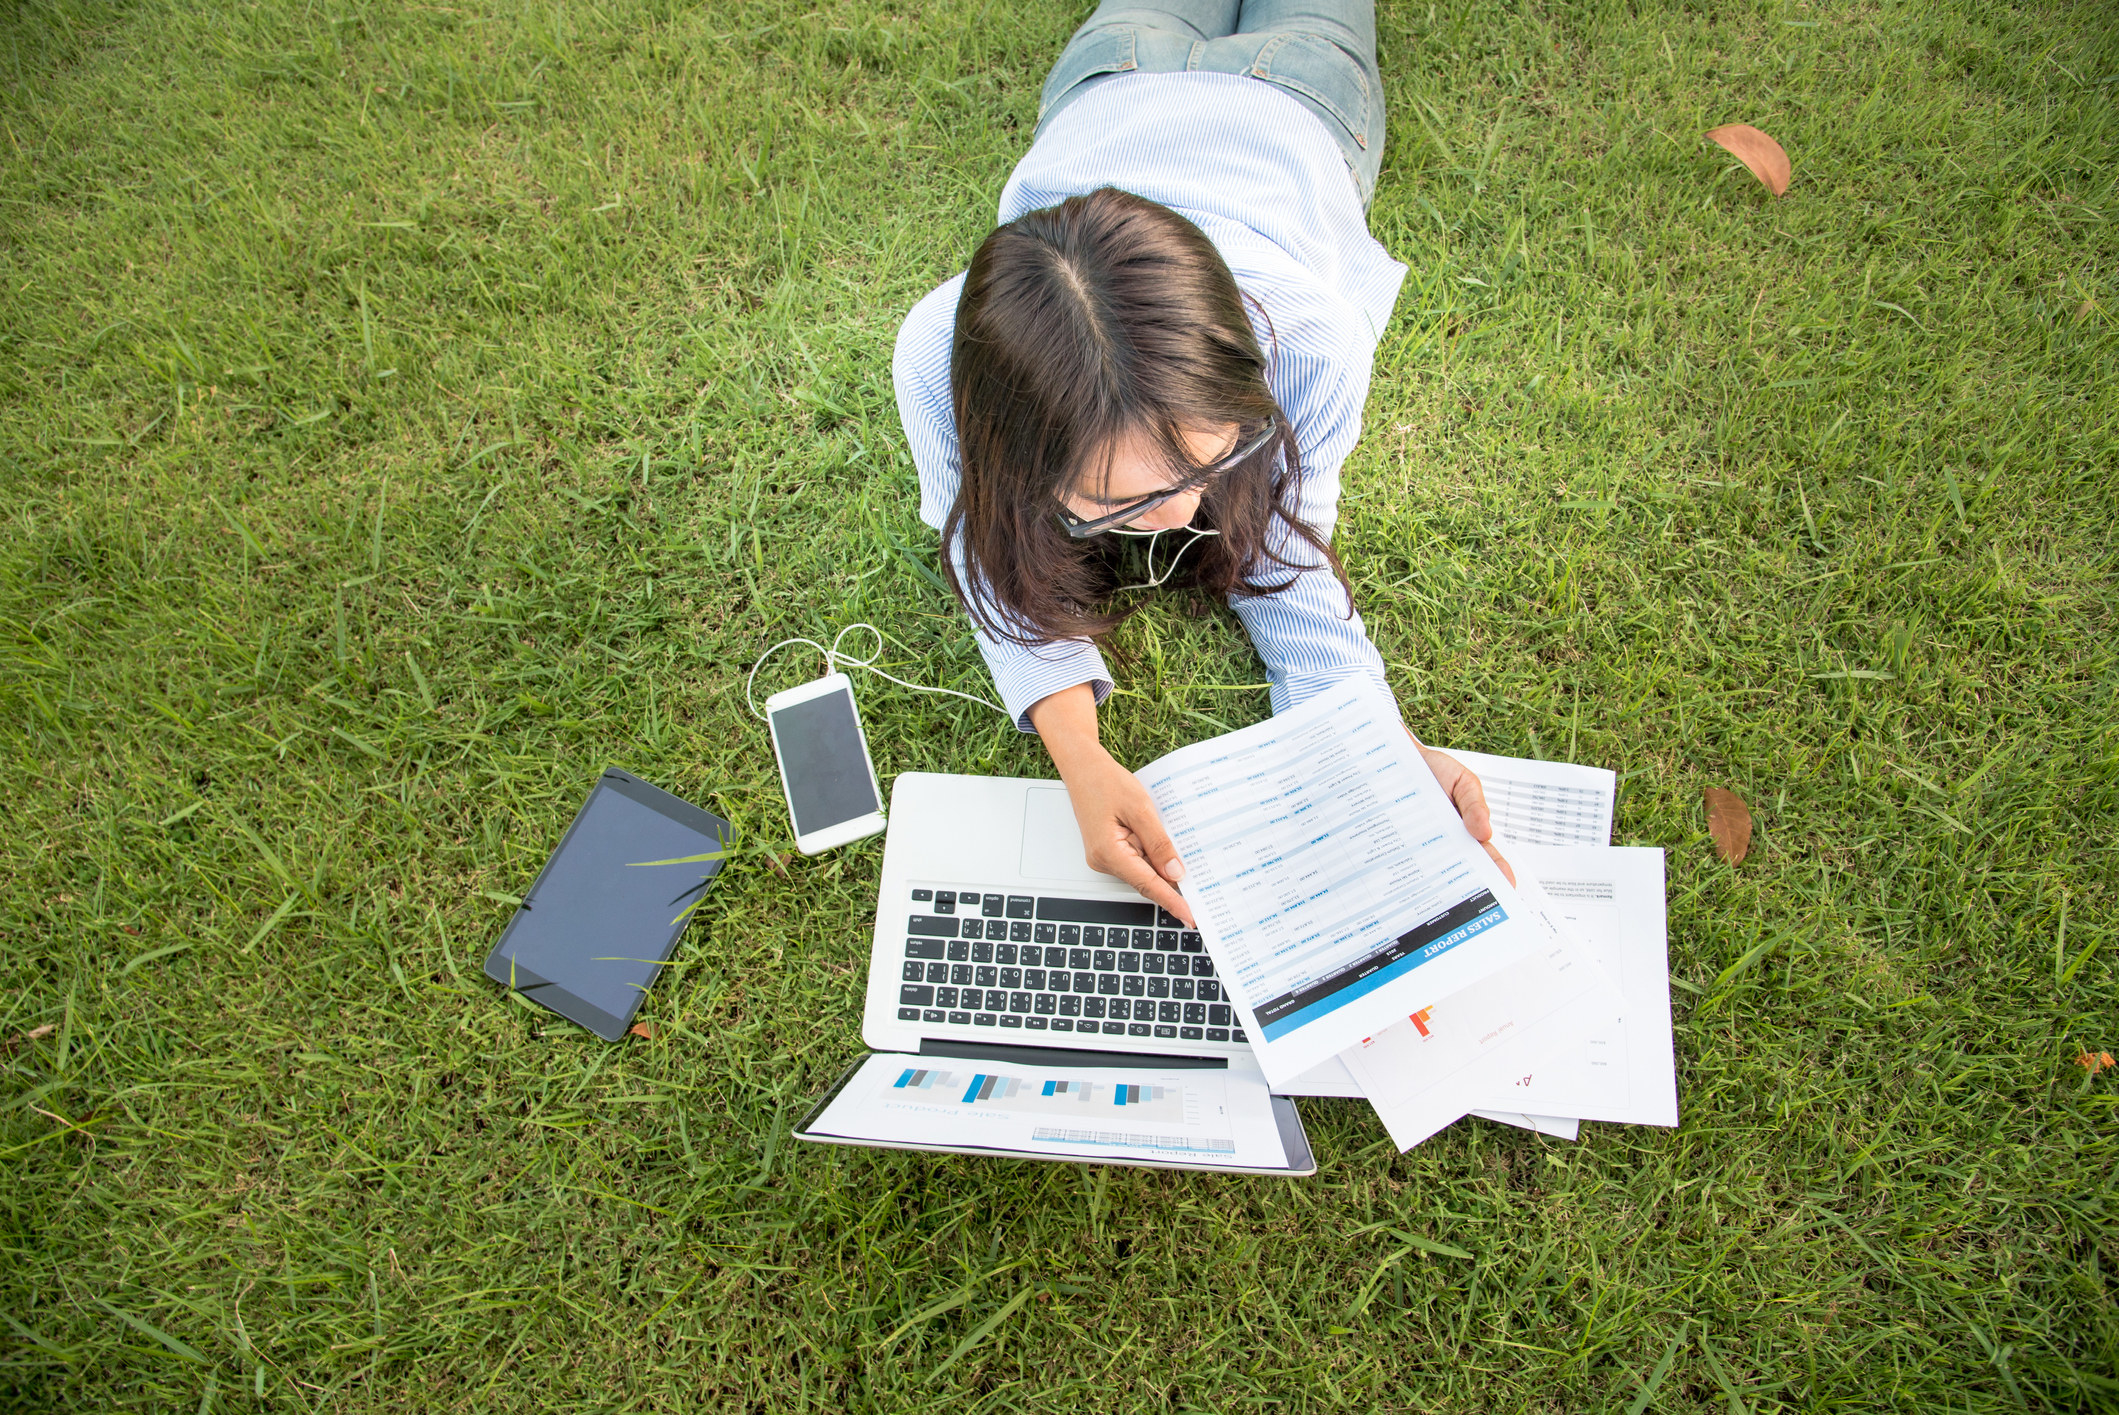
832, 795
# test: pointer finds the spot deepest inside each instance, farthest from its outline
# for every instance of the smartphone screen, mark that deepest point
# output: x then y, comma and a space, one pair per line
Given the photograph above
824, 762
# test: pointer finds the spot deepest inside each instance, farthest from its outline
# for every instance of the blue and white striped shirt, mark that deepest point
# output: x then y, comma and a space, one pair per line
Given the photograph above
1257, 172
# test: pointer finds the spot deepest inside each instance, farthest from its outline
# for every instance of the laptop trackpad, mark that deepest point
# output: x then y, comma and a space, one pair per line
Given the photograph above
1052, 842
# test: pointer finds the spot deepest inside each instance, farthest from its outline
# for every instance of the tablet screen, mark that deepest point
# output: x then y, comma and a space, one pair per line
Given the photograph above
601, 918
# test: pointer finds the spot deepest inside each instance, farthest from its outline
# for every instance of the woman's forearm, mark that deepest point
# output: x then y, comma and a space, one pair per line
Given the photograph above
1066, 721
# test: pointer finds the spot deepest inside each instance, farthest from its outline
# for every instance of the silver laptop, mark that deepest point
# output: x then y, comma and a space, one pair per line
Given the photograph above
992, 928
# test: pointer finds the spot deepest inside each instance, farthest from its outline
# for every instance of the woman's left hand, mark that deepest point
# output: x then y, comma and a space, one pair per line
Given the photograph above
1462, 787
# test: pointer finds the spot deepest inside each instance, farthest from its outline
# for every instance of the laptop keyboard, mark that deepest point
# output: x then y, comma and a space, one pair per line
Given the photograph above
1043, 963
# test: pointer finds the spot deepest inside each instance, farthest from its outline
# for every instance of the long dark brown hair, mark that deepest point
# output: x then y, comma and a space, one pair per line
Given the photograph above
1081, 325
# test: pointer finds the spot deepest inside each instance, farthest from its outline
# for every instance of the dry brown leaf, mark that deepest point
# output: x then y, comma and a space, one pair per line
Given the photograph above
1756, 151
643, 1030
2094, 1062
1729, 822
34, 1034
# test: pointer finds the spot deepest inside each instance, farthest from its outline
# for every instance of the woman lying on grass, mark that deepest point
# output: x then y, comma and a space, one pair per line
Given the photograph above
1165, 346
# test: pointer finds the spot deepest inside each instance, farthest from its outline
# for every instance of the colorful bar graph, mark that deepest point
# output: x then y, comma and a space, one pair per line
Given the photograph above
990, 1088
920, 1080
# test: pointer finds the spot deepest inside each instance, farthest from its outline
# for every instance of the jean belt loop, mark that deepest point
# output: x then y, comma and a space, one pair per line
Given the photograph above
1199, 49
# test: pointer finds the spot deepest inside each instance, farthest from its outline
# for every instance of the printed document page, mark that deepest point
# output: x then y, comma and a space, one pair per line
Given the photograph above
1543, 803
1559, 1127
1416, 1073
1625, 1070
1333, 882
1331, 1078
1189, 1116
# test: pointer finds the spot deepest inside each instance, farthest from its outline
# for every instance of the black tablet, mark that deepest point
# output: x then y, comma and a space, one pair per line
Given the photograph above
605, 913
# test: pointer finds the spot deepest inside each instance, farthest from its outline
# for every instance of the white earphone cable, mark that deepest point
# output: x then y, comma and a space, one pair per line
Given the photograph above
1154, 580
833, 658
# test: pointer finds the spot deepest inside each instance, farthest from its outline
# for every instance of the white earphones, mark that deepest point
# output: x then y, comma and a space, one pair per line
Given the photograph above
1170, 569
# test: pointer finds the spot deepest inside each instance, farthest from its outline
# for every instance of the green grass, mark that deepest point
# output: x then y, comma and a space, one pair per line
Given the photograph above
406, 411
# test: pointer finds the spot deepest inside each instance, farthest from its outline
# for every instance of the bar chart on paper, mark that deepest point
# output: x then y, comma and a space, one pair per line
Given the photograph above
1183, 1115
1064, 1096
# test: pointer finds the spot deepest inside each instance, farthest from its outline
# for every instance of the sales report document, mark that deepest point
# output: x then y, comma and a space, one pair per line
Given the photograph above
1335, 885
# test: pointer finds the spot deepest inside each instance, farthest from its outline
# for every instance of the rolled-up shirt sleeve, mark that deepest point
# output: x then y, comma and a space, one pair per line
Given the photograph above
1024, 674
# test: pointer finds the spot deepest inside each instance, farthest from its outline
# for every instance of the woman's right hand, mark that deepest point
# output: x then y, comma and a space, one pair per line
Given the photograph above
1122, 833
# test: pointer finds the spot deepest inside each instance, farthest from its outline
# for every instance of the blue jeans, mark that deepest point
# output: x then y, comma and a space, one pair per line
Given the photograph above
1322, 53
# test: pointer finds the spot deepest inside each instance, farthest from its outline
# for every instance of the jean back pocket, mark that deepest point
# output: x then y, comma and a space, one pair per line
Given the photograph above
1322, 72
1102, 51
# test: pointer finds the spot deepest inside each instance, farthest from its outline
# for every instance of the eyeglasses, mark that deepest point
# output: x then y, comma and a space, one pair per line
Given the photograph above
1079, 526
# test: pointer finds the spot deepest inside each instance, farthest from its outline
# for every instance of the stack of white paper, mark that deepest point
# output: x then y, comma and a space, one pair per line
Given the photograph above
1371, 948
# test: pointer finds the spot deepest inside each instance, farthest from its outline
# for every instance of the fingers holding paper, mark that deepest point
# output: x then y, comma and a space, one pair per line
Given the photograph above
1462, 786
1123, 834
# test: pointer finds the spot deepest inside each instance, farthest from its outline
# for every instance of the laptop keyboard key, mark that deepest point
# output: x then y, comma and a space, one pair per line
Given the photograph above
1045, 933
1107, 984
1062, 1024
946, 997
916, 972
1138, 1029
1078, 959
1046, 1004
1055, 958
1121, 1009
1190, 1034
1115, 1029
922, 896
1191, 942
1129, 962
1218, 1015
960, 973
1237, 1036
908, 1014
1070, 1007
1167, 1011
1019, 931
1034, 979
1021, 906
994, 906
1011, 977
1009, 1019
982, 1019
960, 1019
1164, 919
1196, 1013
1093, 935
1208, 990
1035, 1024
1166, 940
1018, 1002
929, 926
1181, 988
959, 951
1217, 1034
1004, 953
1133, 984
986, 977
933, 1015
982, 953
1169, 1033
1151, 963
924, 947
1093, 1006
915, 996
